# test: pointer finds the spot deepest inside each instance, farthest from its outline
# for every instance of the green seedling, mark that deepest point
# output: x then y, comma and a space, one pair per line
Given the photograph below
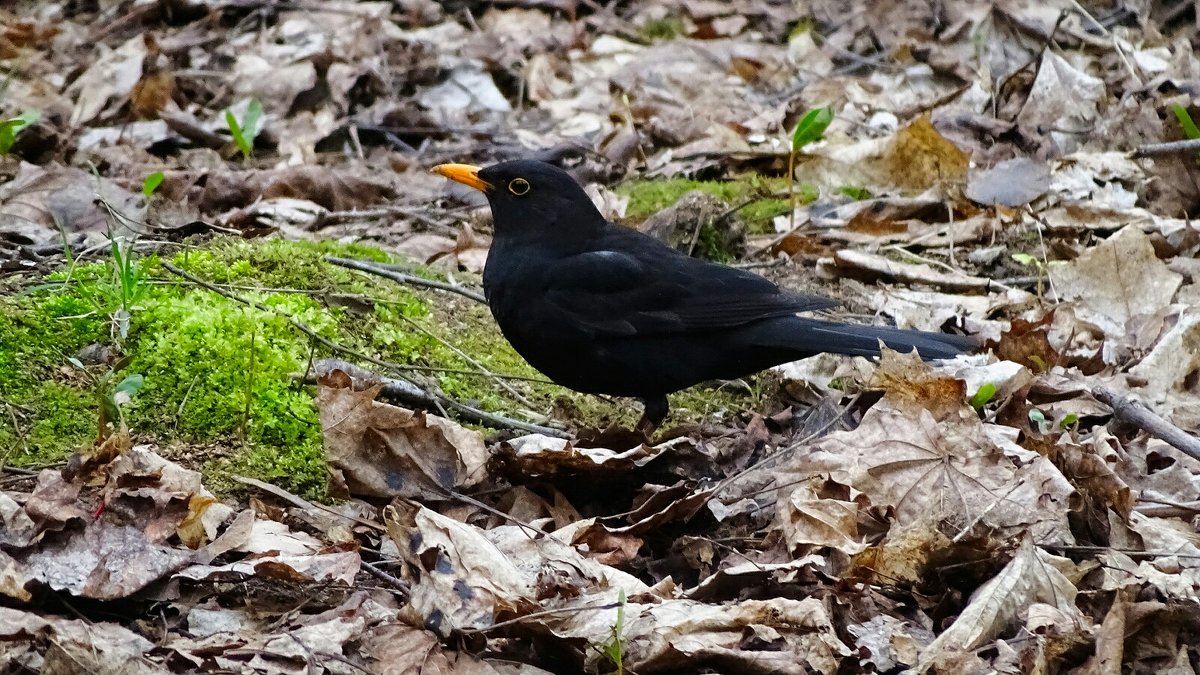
118, 296
112, 398
11, 128
614, 648
1039, 421
128, 284
151, 184
245, 131
810, 129
981, 397
1185, 122
1037, 264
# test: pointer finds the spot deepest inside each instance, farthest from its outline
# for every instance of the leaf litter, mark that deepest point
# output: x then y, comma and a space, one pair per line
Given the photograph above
997, 513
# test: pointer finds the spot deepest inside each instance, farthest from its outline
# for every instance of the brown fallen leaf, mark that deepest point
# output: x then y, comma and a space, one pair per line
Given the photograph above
79, 645
919, 157
1116, 281
1032, 576
382, 450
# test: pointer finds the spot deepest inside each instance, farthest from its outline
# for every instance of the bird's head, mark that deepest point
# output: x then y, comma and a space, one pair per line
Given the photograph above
529, 197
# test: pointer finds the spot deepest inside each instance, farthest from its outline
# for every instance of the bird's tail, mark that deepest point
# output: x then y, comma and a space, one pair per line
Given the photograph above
813, 336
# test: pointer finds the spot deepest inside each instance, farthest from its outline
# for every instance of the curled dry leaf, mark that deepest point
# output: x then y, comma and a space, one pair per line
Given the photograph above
53, 197
1121, 571
1006, 377
111, 77
889, 642
105, 561
538, 456
309, 567
872, 266
1064, 100
815, 515
381, 450
396, 649
1031, 577
729, 583
146, 500
1169, 372
464, 577
80, 645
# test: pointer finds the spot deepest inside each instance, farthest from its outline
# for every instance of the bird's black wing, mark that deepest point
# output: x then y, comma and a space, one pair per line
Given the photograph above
651, 289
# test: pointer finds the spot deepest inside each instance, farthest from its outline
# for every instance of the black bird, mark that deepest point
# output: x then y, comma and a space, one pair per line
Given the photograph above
604, 309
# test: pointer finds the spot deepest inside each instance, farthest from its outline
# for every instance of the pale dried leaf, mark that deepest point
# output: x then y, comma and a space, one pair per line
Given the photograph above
1032, 576
1116, 281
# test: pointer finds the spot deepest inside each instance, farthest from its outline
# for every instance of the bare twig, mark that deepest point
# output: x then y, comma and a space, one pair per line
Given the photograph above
1186, 147
1132, 553
302, 503
399, 584
1128, 410
334, 217
538, 615
410, 393
400, 277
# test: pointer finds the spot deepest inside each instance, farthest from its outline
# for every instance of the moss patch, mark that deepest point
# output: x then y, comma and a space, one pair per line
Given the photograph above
647, 197
663, 29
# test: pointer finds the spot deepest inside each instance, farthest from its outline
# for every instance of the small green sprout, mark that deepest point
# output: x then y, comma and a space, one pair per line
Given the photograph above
151, 184
810, 128
246, 131
11, 128
981, 397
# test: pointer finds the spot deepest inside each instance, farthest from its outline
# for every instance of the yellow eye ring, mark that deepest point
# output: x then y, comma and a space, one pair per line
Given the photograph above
518, 186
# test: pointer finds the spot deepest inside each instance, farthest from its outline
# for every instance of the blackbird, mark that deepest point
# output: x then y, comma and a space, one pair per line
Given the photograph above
604, 309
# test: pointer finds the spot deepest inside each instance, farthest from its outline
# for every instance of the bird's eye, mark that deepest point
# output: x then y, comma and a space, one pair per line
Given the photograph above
518, 186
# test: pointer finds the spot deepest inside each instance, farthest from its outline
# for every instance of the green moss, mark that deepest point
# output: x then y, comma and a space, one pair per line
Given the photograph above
65, 423
276, 263
205, 357
663, 29
711, 245
854, 192
301, 467
47, 417
647, 197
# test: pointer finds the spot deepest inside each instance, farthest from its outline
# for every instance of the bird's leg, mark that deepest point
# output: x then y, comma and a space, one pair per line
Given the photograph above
654, 411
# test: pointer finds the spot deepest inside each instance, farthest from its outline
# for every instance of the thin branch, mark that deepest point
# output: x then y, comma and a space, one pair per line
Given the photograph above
302, 503
1129, 410
1186, 147
399, 584
400, 277
517, 396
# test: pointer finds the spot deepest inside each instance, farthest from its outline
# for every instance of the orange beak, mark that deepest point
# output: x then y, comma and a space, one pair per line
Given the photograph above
463, 173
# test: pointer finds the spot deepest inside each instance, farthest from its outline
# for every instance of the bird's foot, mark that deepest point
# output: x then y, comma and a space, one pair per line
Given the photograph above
645, 428
654, 411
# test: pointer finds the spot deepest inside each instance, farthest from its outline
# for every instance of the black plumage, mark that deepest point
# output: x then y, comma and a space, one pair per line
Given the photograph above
601, 308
